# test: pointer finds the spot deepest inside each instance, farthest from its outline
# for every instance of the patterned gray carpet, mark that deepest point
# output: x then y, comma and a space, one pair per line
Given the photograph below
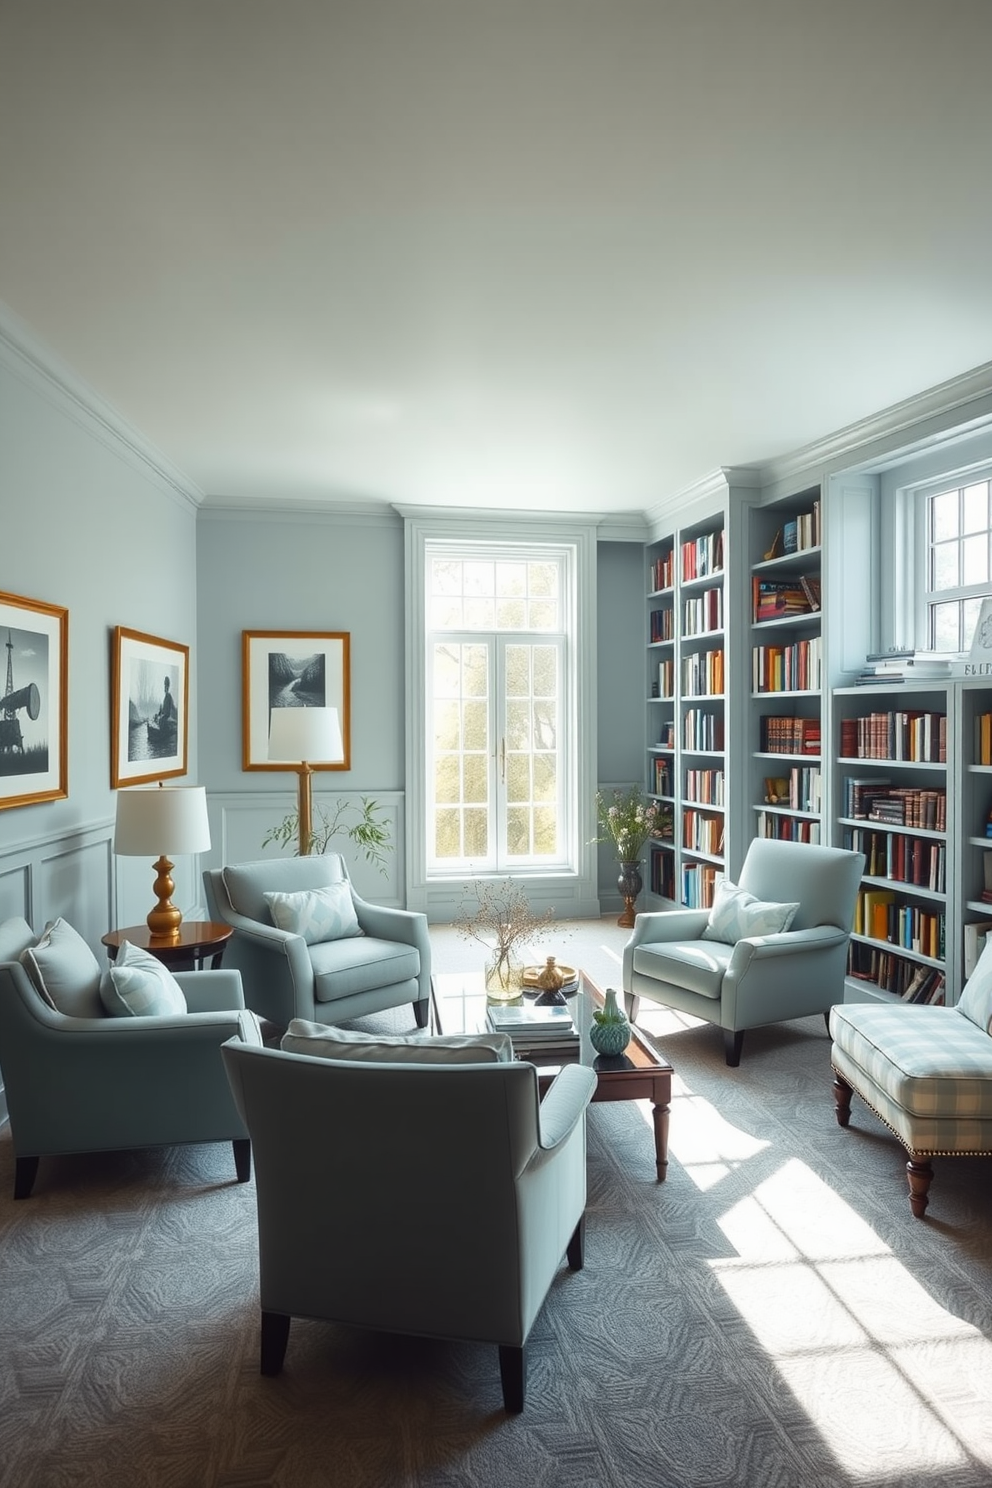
770, 1317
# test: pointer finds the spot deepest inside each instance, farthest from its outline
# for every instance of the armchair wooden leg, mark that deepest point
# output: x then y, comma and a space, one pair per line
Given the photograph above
920, 1175
577, 1246
842, 1100
275, 1336
513, 1376
242, 1158
422, 1012
25, 1172
733, 1043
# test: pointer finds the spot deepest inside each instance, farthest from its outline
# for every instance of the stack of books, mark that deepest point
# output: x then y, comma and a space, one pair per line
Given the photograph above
547, 1032
909, 665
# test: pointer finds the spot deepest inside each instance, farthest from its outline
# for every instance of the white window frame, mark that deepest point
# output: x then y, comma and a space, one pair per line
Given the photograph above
914, 610
572, 888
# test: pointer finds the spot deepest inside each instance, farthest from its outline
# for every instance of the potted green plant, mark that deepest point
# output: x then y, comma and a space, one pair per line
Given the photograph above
370, 832
628, 821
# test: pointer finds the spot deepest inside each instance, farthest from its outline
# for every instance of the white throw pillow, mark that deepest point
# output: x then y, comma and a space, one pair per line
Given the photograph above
65, 971
324, 1042
976, 999
316, 914
736, 914
139, 986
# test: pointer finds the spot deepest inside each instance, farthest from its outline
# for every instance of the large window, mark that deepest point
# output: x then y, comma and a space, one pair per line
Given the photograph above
958, 522
497, 679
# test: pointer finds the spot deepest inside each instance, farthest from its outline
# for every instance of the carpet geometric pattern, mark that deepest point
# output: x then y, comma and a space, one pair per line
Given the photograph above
771, 1316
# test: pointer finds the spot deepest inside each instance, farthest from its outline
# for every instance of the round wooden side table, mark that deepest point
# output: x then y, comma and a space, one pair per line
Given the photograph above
198, 944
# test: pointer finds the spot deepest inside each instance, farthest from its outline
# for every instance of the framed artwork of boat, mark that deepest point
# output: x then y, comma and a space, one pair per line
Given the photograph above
33, 745
149, 709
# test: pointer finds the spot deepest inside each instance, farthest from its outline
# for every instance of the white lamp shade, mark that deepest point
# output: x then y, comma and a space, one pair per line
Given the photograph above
303, 735
164, 821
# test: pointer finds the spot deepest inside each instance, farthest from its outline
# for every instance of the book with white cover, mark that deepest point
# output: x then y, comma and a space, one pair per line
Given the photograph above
533, 1022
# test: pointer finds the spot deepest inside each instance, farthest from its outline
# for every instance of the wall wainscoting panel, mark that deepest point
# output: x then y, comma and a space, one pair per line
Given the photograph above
70, 874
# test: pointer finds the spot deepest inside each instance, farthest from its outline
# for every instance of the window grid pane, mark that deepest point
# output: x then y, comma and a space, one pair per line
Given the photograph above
959, 563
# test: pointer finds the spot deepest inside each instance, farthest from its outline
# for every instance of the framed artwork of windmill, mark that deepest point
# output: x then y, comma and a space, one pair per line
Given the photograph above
33, 710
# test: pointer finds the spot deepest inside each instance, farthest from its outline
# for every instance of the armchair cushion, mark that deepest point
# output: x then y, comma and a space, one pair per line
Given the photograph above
316, 914
342, 968
65, 971
317, 1039
139, 986
737, 915
248, 883
685, 963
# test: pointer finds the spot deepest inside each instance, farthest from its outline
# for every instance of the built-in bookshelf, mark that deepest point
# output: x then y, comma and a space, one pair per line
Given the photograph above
894, 799
686, 678
975, 917
787, 680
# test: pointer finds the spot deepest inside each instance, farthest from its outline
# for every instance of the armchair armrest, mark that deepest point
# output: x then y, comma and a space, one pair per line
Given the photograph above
406, 925
211, 991
564, 1104
785, 943
664, 924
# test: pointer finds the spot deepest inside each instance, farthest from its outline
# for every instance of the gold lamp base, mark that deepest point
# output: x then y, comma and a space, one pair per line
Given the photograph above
164, 920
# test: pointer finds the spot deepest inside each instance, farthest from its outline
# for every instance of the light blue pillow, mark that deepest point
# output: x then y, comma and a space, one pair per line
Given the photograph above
736, 914
324, 1042
316, 914
65, 971
139, 986
976, 999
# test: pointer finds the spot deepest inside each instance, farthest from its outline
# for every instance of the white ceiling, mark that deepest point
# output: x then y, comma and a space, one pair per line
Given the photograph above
554, 254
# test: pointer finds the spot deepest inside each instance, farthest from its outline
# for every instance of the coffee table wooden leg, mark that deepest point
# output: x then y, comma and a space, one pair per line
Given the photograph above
661, 1115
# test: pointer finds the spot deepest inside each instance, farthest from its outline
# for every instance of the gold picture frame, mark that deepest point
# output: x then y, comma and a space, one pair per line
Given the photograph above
34, 752
313, 667
149, 723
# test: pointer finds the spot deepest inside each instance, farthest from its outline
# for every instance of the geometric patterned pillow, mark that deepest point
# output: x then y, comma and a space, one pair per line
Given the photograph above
316, 914
139, 986
976, 999
736, 914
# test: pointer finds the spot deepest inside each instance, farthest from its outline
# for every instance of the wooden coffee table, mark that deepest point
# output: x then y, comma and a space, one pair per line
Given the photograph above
458, 1005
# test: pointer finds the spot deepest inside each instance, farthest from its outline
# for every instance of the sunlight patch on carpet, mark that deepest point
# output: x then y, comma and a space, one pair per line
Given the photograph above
846, 1326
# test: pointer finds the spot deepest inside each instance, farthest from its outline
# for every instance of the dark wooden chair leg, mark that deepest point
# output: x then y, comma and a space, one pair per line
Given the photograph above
25, 1172
242, 1158
513, 1376
733, 1043
422, 1012
577, 1245
275, 1336
920, 1175
842, 1100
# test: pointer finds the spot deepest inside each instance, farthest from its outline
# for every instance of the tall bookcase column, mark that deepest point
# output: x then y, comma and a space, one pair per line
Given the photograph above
973, 884
896, 803
702, 676
785, 763
660, 773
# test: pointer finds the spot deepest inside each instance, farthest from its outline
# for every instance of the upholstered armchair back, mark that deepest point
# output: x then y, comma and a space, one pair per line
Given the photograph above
824, 881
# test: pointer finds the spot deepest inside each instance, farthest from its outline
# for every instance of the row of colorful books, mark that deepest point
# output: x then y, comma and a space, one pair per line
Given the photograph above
908, 734
782, 734
778, 599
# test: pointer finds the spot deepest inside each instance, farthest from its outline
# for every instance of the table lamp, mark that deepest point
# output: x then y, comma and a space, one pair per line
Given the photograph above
298, 736
169, 821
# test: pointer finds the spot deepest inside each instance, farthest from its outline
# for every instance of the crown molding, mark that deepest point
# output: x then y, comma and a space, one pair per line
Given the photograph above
712, 487
939, 415
297, 509
35, 364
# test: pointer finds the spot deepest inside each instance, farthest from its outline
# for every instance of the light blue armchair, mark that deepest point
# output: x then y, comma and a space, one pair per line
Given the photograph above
96, 1084
446, 1212
328, 981
717, 967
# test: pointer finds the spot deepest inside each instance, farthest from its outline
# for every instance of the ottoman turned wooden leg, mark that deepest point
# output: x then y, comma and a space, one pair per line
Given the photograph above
842, 1100
920, 1175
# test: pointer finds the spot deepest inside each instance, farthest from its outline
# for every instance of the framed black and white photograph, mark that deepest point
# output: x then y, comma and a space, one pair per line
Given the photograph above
33, 715
150, 708
293, 669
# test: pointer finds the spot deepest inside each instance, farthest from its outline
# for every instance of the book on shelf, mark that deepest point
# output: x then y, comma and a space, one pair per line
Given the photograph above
904, 666
532, 1024
811, 588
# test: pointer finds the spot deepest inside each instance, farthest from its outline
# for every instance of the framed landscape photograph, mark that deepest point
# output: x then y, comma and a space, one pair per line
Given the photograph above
149, 708
33, 714
293, 669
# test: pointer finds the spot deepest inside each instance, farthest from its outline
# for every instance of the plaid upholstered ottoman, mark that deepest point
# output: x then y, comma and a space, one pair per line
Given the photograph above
926, 1071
